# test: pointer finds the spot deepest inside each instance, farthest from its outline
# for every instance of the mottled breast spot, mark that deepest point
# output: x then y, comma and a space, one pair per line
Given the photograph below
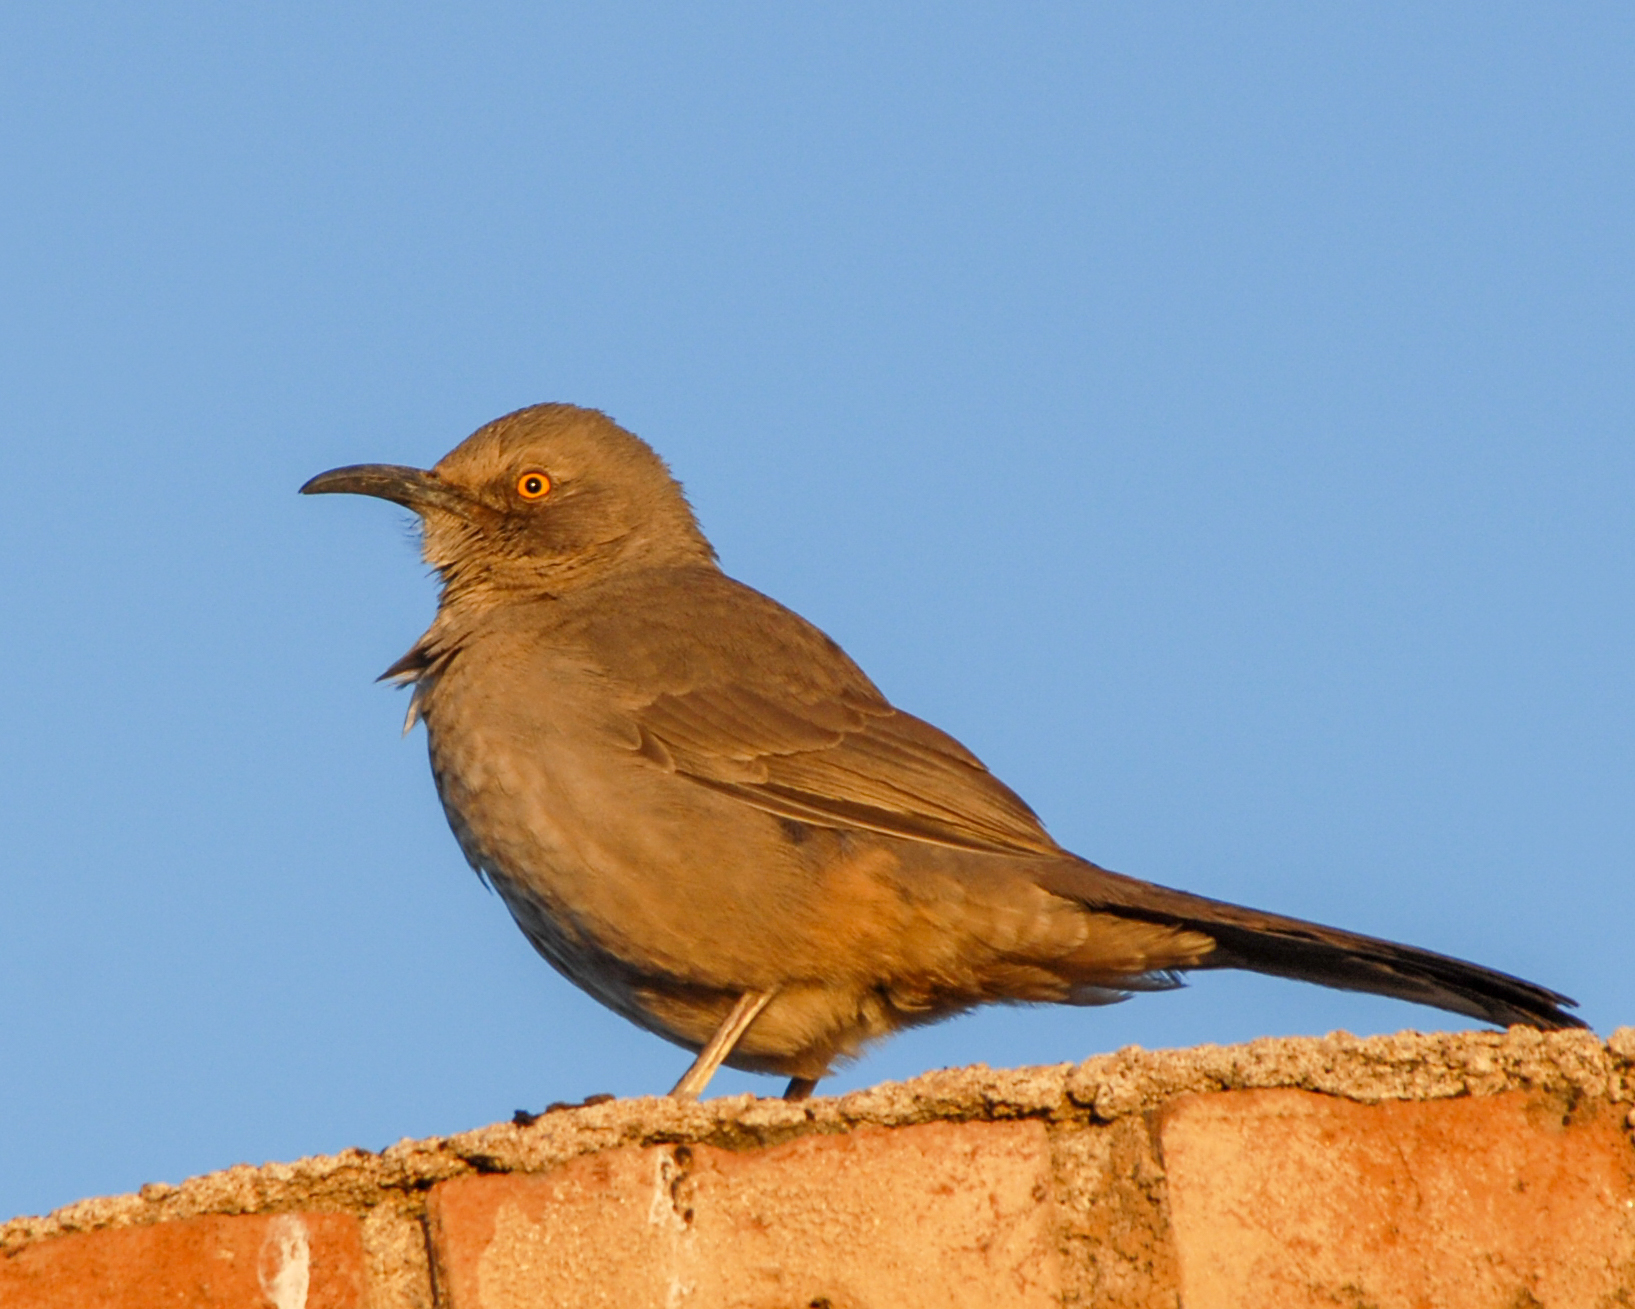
797, 833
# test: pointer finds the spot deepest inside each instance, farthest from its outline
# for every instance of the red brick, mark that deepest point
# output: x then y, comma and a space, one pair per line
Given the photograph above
942, 1215
277, 1261
1292, 1199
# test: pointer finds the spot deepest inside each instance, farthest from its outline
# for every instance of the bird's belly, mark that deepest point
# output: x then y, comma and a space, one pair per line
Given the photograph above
611, 867
579, 957
516, 827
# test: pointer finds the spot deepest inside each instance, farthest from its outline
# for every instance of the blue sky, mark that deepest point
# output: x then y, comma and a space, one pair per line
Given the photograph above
1218, 417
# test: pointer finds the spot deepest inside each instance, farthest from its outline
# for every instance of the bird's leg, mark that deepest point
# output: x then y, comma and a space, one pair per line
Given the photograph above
696, 1078
800, 1088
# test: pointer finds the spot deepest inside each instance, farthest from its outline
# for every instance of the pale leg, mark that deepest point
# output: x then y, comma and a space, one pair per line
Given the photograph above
749, 1005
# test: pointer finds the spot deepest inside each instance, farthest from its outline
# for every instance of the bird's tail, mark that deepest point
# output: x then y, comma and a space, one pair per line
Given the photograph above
1309, 952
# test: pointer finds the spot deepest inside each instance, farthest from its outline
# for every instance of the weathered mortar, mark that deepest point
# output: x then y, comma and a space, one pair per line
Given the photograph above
1099, 1118
1103, 1089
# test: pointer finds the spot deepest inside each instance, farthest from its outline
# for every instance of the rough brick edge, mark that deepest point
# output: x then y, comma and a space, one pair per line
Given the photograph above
1406, 1066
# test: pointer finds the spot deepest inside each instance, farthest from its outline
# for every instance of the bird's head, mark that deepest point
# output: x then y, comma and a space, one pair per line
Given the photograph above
537, 502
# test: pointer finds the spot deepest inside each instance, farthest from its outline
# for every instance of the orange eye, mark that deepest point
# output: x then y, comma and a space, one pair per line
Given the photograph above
534, 485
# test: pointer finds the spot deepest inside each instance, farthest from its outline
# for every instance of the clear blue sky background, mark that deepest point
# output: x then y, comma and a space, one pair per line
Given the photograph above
1219, 417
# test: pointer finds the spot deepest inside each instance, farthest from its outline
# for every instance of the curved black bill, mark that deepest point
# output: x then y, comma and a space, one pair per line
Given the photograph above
413, 488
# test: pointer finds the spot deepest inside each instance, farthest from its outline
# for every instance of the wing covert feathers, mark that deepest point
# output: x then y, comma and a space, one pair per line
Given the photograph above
843, 764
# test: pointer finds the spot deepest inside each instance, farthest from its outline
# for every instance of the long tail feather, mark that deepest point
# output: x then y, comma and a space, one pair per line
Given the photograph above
1309, 952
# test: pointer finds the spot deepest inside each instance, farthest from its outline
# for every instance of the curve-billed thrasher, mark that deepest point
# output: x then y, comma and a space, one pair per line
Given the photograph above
702, 812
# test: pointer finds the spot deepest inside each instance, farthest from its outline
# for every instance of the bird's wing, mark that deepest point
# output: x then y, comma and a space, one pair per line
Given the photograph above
727, 687
846, 761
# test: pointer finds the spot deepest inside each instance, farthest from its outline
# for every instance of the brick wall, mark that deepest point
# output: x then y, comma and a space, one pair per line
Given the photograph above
1481, 1169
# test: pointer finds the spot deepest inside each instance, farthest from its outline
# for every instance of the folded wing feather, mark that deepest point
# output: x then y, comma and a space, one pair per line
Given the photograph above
843, 762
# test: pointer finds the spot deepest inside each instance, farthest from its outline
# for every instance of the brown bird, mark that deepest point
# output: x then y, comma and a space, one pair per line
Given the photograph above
700, 810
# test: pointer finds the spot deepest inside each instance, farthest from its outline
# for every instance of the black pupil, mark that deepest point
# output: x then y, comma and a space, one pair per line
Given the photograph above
533, 486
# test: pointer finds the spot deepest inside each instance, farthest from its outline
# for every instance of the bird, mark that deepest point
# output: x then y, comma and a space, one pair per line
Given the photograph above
701, 811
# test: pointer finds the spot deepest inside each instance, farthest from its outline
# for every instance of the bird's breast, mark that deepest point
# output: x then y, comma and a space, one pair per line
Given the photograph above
600, 850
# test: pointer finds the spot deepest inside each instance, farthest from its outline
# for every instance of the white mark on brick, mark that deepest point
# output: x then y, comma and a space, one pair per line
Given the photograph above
667, 1212
667, 1172
285, 1264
